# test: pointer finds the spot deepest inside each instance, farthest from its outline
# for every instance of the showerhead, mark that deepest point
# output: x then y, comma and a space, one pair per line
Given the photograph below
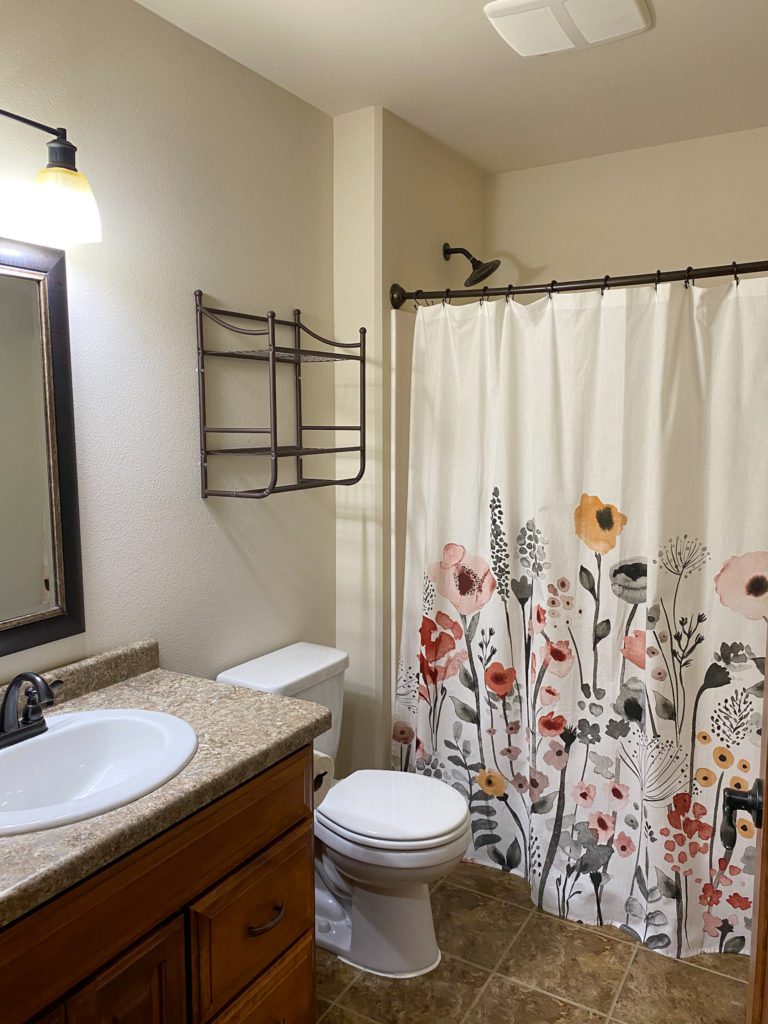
480, 270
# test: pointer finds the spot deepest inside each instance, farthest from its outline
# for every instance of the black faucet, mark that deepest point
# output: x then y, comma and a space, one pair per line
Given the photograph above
39, 695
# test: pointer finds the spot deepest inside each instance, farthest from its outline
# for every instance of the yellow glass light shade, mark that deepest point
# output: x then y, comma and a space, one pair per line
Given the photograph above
66, 211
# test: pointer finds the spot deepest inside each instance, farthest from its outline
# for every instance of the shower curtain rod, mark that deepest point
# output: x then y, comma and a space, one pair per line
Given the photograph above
398, 295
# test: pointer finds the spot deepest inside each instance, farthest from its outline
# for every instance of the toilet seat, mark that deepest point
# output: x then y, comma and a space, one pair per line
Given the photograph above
396, 811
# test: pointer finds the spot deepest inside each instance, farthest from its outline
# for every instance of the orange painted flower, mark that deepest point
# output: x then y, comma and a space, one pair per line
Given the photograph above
598, 524
492, 783
722, 756
633, 648
740, 783
466, 580
746, 828
742, 584
704, 777
499, 679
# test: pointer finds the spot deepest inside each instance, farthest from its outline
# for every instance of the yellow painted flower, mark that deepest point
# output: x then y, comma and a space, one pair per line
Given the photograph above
704, 777
744, 765
492, 783
598, 524
746, 828
703, 736
723, 757
738, 783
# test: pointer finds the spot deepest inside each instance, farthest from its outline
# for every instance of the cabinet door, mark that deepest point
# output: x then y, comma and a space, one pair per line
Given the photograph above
145, 986
57, 1016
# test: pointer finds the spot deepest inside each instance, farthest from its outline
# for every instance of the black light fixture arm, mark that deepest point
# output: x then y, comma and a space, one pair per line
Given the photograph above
61, 152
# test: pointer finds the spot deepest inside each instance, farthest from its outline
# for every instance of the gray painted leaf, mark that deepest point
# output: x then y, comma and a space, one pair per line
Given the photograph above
587, 580
659, 942
487, 839
735, 944
602, 629
657, 919
664, 707
667, 886
464, 711
545, 804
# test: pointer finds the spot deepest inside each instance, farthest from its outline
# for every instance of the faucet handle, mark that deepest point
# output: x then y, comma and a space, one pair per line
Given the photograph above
33, 707
48, 694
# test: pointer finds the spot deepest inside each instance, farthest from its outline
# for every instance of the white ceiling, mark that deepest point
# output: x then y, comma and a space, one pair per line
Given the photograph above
702, 70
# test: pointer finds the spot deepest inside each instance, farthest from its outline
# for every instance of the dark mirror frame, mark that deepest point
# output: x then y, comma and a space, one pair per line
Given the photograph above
70, 620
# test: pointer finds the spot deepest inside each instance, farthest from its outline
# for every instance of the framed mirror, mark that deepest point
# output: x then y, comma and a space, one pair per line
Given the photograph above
41, 586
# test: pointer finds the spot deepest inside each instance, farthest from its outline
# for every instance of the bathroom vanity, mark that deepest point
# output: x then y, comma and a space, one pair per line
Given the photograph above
194, 903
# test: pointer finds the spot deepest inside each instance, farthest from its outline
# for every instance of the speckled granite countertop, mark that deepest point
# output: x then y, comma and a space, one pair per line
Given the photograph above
240, 733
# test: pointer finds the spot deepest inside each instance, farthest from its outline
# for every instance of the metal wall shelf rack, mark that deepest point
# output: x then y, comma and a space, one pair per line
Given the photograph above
295, 354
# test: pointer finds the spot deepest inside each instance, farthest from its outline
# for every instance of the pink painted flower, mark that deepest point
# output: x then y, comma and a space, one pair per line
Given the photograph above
465, 580
538, 620
633, 648
742, 584
584, 794
558, 657
624, 845
549, 695
711, 924
617, 794
403, 733
537, 782
499, 679
510, 752
551, 724
556, 756
603, 824
520, 783
513, 728
450, 625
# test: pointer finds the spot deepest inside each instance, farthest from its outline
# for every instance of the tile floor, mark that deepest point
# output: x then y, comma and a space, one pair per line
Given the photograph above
506, 963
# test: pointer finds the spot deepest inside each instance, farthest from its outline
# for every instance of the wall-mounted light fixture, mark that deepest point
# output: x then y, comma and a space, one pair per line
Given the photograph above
62, 211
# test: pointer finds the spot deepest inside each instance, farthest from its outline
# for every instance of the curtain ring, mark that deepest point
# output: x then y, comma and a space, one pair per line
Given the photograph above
551, 288
509, 293
735, 275
447, 296
658, 280
484, 296
689, 277
416, 296
606, 284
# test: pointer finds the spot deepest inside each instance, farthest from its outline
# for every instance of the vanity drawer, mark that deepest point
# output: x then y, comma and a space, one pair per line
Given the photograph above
247, 921
284, 995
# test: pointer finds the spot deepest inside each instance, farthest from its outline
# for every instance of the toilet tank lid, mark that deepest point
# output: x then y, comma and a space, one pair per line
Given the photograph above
289, 670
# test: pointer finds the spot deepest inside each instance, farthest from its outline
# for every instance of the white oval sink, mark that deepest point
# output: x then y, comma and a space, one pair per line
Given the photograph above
89, 762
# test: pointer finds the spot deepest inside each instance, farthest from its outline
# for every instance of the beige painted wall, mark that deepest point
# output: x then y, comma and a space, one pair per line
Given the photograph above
694, 203
207, 176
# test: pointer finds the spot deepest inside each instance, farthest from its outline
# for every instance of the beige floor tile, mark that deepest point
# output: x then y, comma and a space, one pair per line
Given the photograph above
441, 997
660, 990
493, 882
332, 976
472, 926
730, 964
579, 963
506, 1002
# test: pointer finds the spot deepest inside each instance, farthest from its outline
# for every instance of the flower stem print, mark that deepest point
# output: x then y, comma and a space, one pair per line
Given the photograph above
500, 562
467, 582
557, 756
598, 524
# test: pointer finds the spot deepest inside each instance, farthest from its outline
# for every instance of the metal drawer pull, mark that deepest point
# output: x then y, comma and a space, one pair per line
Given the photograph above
254, 930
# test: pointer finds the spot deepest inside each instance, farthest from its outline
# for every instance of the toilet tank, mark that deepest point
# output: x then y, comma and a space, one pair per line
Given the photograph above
306, 671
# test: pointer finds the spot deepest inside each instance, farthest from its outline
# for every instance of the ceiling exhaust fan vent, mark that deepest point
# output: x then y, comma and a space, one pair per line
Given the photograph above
536, 27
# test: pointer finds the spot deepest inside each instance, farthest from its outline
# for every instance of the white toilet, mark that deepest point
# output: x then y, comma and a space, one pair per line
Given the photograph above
383, 836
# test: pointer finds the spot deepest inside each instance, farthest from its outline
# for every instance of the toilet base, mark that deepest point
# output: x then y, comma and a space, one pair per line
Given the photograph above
388, 932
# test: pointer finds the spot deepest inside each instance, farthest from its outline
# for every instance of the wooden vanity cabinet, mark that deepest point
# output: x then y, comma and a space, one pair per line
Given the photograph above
211, 922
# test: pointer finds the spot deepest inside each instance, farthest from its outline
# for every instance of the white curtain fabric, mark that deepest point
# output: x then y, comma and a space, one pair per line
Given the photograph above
586, 592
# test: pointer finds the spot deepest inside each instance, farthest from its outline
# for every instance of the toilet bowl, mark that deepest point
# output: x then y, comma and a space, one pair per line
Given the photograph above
382, 837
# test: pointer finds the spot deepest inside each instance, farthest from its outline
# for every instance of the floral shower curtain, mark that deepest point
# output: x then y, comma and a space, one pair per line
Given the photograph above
586, 594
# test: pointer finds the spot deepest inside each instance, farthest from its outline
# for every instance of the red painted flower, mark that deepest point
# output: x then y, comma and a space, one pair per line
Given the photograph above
438, 659
739, 902
538, 620
710, 896
558, 657
499, 679
551, 724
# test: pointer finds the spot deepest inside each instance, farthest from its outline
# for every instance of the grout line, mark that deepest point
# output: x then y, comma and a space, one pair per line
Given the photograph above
623, 981
492, 972
499, 899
